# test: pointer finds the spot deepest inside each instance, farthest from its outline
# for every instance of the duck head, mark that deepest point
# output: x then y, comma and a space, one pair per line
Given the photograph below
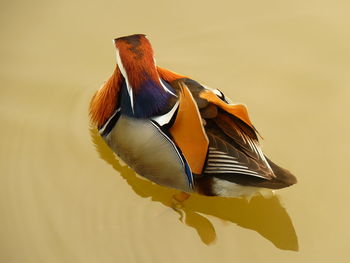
144, 94
137, 86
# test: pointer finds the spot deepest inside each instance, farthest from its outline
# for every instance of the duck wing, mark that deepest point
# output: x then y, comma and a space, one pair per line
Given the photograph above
234, 151
231, 137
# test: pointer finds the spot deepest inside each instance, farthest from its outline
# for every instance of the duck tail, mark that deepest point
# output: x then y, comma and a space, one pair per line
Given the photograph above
284, 178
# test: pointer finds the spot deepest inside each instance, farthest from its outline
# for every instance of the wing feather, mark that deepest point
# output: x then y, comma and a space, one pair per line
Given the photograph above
243, 140
234, 151
223, 157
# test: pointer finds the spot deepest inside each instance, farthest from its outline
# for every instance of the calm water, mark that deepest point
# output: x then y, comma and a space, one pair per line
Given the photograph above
65, 198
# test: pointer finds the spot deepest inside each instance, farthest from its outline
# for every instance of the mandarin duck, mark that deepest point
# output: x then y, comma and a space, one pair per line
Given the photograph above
178, 133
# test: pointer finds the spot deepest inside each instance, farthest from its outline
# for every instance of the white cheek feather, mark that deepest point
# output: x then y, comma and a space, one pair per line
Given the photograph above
123, 71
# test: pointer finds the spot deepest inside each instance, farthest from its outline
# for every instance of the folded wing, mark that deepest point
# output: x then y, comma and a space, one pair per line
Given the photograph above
234, 151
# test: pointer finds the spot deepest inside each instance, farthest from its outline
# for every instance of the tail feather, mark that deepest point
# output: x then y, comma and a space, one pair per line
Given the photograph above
284, 178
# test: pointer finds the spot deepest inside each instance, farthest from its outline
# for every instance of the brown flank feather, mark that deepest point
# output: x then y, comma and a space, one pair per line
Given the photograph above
104, 102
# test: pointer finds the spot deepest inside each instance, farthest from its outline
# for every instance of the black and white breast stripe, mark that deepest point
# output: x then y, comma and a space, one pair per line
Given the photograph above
220, 162
160, 120
167, 117
108, 126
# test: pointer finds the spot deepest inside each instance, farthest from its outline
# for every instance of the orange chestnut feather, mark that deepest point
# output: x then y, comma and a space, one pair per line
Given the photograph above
104, 102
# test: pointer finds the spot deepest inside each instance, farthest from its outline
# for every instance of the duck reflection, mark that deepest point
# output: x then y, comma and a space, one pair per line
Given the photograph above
265, 216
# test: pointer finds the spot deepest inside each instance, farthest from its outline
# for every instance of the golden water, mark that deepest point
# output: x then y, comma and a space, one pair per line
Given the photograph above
65, 198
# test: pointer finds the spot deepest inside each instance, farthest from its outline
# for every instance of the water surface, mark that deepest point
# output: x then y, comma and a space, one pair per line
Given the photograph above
64, 197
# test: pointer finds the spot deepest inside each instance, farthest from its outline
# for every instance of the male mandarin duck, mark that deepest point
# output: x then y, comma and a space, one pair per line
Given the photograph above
177, 133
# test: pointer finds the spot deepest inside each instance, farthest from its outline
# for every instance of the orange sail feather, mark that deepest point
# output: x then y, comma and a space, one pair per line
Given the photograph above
238, 110
188, 132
